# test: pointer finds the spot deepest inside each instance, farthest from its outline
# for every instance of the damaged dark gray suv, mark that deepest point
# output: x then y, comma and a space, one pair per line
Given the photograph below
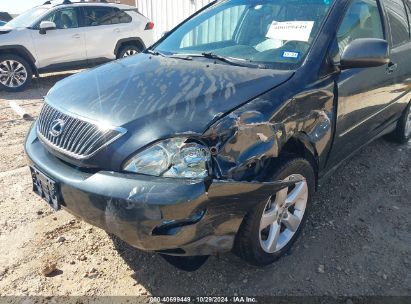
216, 138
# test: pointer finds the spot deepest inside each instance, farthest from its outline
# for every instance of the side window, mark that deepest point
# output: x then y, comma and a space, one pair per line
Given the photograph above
97, 15
121, 17
64, 18
398, 19
362, 20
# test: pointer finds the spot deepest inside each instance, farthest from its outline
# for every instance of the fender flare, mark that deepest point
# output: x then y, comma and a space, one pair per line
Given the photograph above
26, 53
121, 42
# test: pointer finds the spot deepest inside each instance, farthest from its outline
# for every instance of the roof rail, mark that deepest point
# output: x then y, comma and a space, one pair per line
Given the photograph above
71, 2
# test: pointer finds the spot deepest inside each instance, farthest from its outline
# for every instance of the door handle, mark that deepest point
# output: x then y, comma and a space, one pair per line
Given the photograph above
392, 67
76, 36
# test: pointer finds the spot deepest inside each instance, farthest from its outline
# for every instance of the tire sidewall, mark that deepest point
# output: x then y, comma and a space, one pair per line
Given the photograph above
26, 66
298, 166
404, 138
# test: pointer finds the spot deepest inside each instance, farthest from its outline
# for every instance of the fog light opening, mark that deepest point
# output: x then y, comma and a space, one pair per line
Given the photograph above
174, 226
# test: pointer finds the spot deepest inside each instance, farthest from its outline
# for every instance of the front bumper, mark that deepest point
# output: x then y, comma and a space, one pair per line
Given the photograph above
172, 216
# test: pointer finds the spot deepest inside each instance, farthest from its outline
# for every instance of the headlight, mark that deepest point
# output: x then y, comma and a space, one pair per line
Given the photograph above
171, 158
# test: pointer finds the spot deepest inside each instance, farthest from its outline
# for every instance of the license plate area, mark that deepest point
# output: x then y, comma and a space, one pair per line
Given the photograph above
46, 188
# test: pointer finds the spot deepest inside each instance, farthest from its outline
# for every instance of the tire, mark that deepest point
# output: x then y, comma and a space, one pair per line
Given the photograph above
252, 244
403, 132
22, 73
128, 50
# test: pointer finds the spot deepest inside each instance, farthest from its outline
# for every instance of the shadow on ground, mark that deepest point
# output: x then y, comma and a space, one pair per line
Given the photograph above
151, 269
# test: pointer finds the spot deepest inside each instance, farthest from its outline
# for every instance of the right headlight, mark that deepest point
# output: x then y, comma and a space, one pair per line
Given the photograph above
174, 157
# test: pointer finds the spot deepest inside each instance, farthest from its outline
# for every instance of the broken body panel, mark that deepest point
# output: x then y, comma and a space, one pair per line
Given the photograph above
182, 217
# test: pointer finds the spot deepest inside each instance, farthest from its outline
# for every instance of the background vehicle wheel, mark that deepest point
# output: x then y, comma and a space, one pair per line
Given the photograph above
269, 230
15, 73
403, 132
128, 50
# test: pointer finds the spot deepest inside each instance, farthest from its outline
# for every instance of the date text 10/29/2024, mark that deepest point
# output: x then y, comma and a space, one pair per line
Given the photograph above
203, 299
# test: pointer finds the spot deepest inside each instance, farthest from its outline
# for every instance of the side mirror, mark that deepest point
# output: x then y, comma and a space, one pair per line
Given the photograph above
365, 53
47, 26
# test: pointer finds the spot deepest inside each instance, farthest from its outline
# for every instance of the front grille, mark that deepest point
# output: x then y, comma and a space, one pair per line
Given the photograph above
73, 136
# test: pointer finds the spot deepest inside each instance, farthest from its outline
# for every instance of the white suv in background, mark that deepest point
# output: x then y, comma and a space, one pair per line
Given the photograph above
70, 35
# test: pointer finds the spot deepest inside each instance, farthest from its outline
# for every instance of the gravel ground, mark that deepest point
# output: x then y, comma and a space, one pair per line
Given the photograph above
357, 240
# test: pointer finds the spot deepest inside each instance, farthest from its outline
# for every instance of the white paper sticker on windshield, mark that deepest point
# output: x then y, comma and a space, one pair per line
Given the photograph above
291, 30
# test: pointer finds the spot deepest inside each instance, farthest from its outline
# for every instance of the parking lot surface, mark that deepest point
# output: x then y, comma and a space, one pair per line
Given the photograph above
357, 240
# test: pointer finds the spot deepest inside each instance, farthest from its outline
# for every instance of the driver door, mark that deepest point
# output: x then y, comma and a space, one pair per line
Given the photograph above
363, 94
64, 46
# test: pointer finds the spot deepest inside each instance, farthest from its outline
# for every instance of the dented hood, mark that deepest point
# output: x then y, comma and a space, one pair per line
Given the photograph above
171, 95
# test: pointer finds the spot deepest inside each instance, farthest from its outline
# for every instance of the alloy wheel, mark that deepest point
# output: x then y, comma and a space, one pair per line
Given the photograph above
283, 215
13, 74
130, 52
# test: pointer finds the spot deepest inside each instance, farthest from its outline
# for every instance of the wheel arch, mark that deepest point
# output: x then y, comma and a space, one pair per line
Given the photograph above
301, 146
22, 52
298, 146
129, 41
246, 151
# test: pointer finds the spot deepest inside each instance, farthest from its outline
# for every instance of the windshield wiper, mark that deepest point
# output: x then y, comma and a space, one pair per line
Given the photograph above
155, 53
209, 55
175, 56
229, 60
232, 61
183, 56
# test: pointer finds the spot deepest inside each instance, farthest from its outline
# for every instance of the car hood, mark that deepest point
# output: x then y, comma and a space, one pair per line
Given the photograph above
164, 95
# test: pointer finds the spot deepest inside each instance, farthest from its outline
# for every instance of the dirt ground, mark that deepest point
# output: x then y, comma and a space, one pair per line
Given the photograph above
357, 240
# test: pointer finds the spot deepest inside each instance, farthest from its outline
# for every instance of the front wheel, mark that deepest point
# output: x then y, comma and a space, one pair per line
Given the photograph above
403, 132
270, 229
15, 73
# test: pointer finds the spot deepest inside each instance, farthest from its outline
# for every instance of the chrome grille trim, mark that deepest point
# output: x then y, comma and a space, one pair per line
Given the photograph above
80, 139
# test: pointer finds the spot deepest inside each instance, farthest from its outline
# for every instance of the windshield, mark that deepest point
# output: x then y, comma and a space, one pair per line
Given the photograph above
27, 18
277, 33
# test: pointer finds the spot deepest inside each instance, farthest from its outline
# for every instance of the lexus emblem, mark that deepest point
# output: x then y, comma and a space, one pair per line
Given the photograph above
57, 127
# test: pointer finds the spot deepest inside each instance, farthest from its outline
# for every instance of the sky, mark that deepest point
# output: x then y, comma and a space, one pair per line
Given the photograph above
18, 6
